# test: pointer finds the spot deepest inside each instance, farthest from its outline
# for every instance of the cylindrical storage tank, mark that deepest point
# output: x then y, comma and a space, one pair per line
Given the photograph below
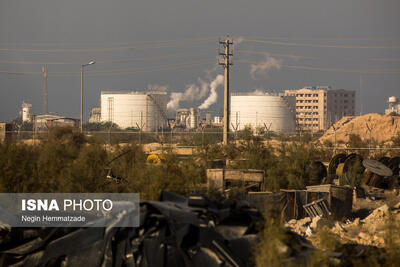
193, 119
393, 100
208, 118
263, 110
26, 112
134, 109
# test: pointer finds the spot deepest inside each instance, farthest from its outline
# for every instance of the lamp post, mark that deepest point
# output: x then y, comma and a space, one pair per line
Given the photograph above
82, 67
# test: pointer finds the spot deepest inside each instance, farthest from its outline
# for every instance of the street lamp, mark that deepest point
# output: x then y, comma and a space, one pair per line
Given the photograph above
82, 67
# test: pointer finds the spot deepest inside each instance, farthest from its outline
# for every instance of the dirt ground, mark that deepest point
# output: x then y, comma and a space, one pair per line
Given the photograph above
384, 127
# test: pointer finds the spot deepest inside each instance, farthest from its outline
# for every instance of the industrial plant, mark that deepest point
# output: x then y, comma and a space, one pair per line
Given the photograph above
308, 108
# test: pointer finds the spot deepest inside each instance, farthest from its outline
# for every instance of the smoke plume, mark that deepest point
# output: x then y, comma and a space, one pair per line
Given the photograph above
264, 66
174, 101
258, 91
194, 92
212, 98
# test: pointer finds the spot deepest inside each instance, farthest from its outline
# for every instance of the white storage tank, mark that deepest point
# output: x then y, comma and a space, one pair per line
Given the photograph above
393, 100
260, 110
194, 118
148, 110
217, 119
26, 112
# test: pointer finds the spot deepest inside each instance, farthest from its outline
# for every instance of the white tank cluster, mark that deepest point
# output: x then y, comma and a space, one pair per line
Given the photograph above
276, 112
188, 118
145, 110
393, 100
26, 112
393, 105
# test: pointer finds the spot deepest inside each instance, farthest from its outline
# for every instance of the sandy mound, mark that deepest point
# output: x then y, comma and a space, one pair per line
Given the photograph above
384, 127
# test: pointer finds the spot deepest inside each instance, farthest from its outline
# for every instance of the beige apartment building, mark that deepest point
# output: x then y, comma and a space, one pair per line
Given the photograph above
317, 108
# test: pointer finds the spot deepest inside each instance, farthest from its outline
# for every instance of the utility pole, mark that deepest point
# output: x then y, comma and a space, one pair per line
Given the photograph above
82, 69
45, 109
226, 63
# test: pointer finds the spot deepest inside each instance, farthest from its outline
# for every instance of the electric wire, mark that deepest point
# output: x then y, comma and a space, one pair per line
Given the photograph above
162, 44
319, 45
291, 56
363, 71
118, 71
180, 55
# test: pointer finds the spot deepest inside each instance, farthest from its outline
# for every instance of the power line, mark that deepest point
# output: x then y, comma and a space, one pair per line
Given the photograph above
364, 71
320, 45
332, 38
320, 58
117, 72
111, 49
113, 43
180, 55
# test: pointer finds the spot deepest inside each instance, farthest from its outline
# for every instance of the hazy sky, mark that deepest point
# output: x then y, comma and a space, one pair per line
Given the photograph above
355, 35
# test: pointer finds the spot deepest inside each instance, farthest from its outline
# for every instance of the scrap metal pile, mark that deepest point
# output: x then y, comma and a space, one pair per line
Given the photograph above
175, 231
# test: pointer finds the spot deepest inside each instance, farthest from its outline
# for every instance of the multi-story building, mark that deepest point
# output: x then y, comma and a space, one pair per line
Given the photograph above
317, 108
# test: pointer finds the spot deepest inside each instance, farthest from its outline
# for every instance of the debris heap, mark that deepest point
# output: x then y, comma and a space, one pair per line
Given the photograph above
384, 127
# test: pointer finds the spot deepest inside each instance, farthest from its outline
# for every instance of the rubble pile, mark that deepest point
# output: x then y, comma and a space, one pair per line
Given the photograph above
175, 231
385, 127
369, 231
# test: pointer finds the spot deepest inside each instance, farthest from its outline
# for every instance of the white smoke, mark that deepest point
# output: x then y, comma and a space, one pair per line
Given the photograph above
258, 91
174, 102
264, 66
212, 98
194, 92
